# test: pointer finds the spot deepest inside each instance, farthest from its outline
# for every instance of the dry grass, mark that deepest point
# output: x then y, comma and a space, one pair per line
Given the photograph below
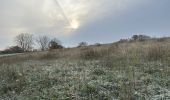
124, 71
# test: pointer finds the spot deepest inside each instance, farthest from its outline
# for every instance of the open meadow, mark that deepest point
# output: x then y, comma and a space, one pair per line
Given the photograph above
131, 70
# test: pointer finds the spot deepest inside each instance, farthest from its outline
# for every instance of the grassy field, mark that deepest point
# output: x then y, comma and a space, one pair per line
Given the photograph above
133, 70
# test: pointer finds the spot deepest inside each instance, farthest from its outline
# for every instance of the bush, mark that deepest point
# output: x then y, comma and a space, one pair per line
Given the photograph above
55, 44
98, 44
13, 49
83, 44
123, 41
140, 37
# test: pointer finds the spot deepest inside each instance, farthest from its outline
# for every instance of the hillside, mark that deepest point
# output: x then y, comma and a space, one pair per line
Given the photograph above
124, 70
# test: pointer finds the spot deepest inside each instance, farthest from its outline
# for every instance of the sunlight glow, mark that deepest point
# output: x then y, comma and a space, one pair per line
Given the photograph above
74, 24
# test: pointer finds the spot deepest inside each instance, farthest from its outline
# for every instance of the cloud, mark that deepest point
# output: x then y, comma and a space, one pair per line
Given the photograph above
58, 18
48, 16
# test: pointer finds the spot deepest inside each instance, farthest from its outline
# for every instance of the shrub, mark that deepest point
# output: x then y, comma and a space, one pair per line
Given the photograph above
13, 49
140, 37
55, 44
123, 41
98, 44
83, 44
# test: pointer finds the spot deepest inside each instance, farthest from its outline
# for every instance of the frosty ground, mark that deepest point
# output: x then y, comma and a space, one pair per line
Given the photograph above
118, 71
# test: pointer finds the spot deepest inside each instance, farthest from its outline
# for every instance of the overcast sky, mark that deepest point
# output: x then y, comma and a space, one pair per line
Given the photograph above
73, 21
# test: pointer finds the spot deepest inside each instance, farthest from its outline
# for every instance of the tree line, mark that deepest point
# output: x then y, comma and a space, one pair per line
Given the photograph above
25, 43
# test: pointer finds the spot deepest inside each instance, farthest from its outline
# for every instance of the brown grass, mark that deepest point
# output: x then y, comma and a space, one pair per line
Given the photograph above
154, 49
122, 58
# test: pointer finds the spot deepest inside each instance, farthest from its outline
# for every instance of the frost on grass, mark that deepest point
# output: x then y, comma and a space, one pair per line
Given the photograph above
81, 79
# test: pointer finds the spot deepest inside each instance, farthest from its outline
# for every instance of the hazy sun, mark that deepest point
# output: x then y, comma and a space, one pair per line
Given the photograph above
74, 24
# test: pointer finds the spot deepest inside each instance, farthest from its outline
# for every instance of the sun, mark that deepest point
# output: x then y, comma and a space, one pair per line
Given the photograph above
74, 24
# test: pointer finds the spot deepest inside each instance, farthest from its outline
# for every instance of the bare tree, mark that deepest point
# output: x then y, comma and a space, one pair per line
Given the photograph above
25, 41
43, 42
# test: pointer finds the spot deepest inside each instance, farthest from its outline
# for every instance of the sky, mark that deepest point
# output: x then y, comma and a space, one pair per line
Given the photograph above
74, 21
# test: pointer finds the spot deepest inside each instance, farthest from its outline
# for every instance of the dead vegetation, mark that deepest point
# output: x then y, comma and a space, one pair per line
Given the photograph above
138, 70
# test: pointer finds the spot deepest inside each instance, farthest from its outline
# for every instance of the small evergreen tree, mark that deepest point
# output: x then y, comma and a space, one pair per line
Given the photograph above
55, 44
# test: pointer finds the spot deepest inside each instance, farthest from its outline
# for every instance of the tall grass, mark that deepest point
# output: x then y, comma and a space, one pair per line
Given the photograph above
137, 70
